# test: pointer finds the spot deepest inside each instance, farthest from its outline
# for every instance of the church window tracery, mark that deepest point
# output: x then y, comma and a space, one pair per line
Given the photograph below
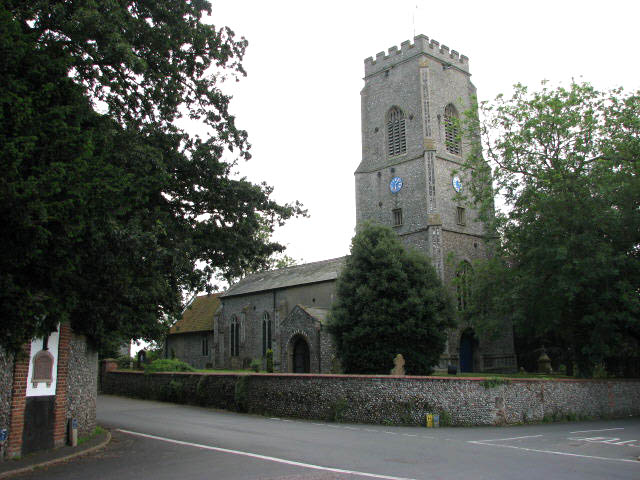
235, 336
463, 285
266, 334
396, 132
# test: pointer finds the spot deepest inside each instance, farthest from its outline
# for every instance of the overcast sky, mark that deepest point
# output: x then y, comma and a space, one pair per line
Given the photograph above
300, 102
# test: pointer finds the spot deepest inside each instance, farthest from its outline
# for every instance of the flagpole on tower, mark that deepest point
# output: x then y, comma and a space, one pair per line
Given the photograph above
413, 20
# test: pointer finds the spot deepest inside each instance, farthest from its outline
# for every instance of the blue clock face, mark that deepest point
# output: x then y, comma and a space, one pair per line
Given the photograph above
395, 184
457, 184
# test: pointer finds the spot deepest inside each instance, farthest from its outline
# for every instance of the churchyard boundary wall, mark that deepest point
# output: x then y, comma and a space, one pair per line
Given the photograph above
387, 399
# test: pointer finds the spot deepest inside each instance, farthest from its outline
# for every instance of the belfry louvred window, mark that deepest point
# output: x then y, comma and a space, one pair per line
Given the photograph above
396, 132
452, 130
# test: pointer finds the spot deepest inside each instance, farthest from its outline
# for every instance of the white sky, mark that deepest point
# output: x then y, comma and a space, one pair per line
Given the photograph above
300, 102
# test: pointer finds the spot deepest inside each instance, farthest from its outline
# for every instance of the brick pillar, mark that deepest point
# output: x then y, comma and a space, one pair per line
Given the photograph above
60, 409
18, 401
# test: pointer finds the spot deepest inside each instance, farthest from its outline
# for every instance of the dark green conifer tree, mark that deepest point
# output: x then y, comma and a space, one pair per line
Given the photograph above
389, 301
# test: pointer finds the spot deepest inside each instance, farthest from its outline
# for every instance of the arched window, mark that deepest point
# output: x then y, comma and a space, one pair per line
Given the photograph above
235, 336
396, 134
266, 333
463, 285
452, 130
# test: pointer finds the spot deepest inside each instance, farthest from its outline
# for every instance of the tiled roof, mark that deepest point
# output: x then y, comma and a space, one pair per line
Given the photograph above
198, 317
286, 277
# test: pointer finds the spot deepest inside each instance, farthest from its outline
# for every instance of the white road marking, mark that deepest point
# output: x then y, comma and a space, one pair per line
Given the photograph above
606, 440
552, 452
351, 428
264, 457
601, 430
505, 439
612, 440
624, 442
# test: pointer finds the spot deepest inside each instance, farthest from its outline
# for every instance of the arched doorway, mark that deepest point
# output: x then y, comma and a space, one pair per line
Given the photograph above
300, 355
468, 344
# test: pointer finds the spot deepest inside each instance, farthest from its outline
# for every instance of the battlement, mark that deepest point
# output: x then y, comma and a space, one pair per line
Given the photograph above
421, 44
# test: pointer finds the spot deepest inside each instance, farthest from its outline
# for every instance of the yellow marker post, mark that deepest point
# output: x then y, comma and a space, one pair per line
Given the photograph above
429, 420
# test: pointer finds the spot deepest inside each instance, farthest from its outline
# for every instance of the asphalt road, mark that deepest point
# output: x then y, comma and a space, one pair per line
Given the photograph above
166, 441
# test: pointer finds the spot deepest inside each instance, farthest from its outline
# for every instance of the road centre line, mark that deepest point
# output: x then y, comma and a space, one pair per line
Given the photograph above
552, 452
371, 430
263, 457
600, 430
505, 439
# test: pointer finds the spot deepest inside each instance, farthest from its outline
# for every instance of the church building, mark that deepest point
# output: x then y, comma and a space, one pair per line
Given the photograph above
410, 172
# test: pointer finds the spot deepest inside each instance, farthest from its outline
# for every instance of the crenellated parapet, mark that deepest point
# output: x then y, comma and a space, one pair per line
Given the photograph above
421, 45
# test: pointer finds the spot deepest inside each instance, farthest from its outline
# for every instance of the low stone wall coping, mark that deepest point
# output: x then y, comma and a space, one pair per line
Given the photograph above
389, 377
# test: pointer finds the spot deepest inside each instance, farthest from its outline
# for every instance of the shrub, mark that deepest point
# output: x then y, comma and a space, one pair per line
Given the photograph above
337, 409
445, 418
494, 382
270, 361
599, 371
172, 392
240, 394
168, 365
125, 361
255, 365
154, 354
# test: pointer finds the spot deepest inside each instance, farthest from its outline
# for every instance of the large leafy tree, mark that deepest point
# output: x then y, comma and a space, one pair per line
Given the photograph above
109, 210
566, 162
389, 300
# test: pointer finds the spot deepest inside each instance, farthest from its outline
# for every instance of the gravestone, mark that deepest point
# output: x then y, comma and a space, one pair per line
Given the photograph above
544, 363
142, 358
398, 363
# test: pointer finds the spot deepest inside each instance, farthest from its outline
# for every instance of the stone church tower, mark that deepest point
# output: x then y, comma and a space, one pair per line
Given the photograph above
411, 170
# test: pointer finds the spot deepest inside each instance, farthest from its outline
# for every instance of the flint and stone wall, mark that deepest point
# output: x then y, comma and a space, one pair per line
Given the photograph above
378, 399
6, 383
82, 384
